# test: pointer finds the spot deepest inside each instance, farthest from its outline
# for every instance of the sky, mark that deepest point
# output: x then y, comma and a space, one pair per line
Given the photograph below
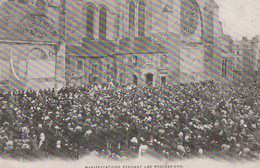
240, 17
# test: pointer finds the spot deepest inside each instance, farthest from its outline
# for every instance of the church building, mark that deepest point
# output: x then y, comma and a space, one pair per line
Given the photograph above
50, 43
142, 41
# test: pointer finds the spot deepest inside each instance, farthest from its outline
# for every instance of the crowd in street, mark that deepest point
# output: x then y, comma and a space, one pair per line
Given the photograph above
182, 121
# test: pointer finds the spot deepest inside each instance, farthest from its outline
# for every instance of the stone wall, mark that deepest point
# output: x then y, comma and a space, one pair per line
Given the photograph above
23, 68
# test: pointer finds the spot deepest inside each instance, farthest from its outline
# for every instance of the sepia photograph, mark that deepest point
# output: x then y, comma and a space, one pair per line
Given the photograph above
129, 83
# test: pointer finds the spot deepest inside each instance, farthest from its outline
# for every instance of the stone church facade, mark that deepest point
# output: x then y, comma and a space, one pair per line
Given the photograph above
142, 41
124, 41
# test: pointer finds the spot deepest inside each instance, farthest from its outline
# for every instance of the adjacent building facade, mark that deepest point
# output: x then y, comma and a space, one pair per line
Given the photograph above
246, 54
31, 53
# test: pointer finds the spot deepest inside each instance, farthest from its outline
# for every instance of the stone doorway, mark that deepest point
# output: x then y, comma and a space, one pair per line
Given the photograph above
163, 80
135, 80
149, 79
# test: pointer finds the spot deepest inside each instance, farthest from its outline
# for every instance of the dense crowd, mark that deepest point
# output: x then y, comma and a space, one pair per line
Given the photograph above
173, 121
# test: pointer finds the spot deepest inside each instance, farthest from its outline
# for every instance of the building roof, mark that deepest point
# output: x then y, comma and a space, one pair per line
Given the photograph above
144, 45
167, 8
25, 22
97, 48
91, 48
141, 45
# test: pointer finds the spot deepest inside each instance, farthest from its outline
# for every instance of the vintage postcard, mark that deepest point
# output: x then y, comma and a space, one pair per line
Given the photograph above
129, 83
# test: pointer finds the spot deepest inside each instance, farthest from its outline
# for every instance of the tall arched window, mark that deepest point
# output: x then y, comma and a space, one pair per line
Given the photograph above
90, 22
102, 23
149, 79
141, 18
131, 17
135, 79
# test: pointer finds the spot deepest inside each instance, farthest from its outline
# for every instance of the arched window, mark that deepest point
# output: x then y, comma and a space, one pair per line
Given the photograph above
149, 79
224, 68
135, 80
131, 17
189, 16
163, 80
90, 22
141, 18
102, 23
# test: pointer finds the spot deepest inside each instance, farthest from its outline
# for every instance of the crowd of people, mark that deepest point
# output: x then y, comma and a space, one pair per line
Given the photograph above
180, 121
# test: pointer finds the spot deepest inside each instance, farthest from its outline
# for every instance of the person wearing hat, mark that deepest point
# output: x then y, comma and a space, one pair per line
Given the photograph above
59, 148
9, 148
77, 140
134, 145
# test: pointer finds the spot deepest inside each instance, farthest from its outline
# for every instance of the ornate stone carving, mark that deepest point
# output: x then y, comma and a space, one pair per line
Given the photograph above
36, 26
